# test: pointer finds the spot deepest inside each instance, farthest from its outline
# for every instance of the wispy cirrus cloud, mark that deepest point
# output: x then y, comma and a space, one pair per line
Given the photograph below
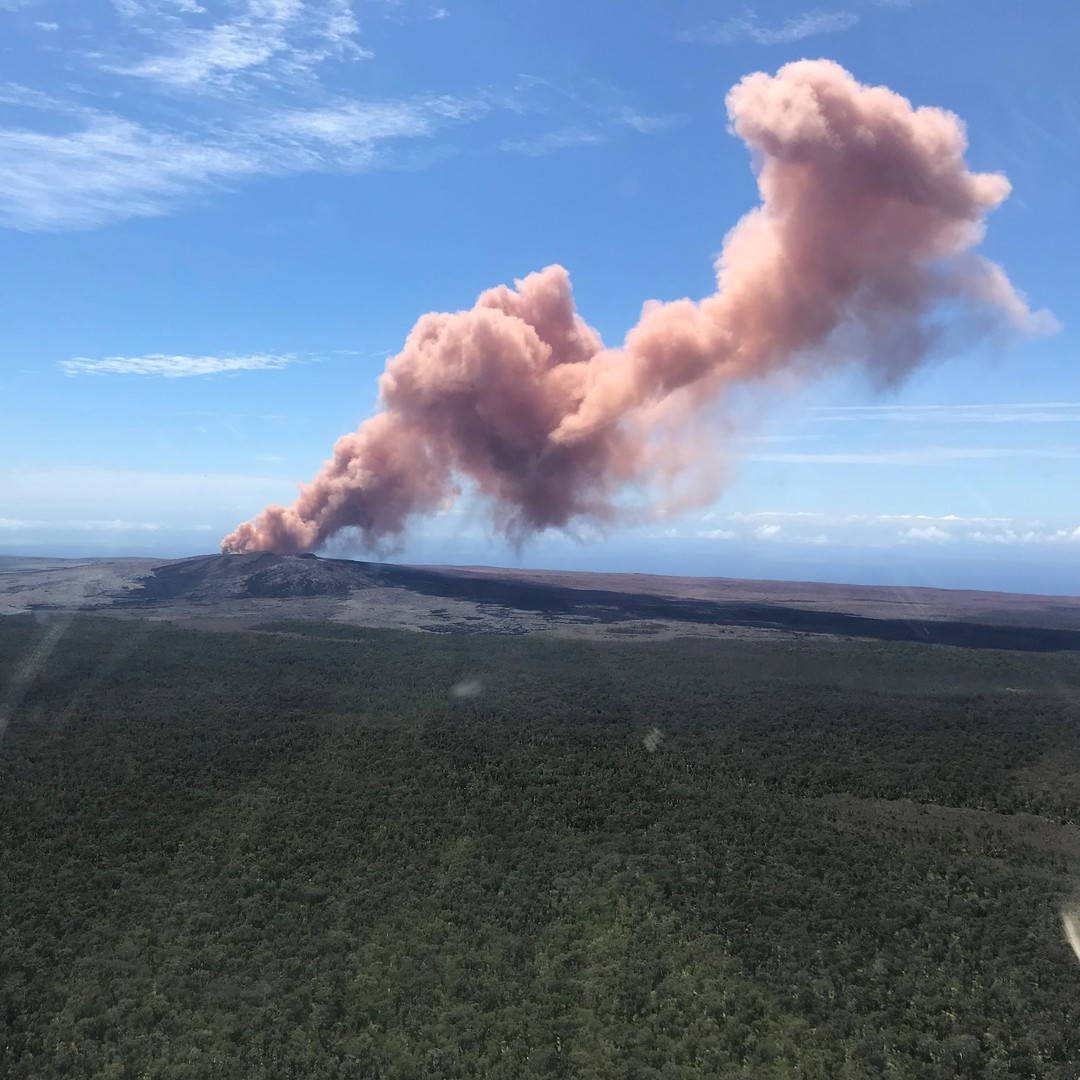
747, 27
105, 168
345, 124
646, 123
135, 136
605, 126
133, 9
550, 142
174, 367
267, 40
401, 11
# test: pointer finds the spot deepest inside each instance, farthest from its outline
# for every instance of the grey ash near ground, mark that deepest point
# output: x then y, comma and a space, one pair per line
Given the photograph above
259, 587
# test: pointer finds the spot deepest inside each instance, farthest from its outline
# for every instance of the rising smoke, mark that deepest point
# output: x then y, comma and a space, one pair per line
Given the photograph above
860, 252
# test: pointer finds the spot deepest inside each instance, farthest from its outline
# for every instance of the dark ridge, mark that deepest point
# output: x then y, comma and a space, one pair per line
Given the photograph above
216, 577
618, 607
262, 574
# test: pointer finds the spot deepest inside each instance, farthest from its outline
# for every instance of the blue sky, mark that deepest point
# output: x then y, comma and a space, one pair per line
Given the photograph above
218, 219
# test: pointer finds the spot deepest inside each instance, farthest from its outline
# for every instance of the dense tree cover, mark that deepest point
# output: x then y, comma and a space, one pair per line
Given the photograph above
301, 854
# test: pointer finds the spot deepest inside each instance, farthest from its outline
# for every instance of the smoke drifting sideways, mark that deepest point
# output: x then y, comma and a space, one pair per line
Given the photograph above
861, 253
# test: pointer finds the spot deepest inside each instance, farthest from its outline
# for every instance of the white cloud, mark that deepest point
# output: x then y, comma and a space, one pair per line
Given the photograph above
927, 532
871, 530
81, 525
577, 135
759, 515
47, 27
551, 142
868, 529
110, 168
133, 9
1033, 534
283, 105
173, 367
113, 525
1053, 412
271, 40
746, 27
81, 166
833, 518
643, 123
948, 518
353, 122
27, 97
770, 531
929, 456
1006, 536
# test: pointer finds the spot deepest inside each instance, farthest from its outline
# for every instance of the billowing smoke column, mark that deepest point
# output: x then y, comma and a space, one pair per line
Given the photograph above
866, 226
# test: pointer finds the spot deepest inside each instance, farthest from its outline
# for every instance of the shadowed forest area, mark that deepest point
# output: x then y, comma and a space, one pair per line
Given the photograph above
326, 851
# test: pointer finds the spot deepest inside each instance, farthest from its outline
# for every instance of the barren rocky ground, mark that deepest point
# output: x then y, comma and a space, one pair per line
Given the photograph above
249, 590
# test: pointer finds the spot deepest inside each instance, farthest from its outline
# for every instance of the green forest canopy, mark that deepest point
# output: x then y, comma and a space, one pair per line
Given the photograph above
298, 853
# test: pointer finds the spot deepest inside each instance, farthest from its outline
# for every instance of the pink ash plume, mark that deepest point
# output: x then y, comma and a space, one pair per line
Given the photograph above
867, 222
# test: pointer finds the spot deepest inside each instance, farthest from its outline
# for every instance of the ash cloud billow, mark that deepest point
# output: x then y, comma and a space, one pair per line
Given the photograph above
861, 252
